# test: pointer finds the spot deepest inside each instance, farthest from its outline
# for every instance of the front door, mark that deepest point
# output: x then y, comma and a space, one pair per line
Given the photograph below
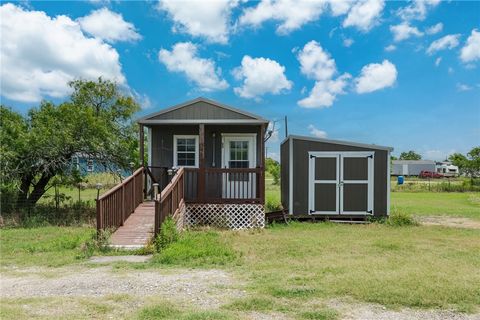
340, 183
238, 153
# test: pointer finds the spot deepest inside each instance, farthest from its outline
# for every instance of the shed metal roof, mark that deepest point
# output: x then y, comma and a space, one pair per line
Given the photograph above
201, 110
346, 143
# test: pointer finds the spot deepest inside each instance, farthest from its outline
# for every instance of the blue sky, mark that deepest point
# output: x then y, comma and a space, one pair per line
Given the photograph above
401, 74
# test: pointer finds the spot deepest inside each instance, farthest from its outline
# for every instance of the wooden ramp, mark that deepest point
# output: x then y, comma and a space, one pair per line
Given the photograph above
137, 230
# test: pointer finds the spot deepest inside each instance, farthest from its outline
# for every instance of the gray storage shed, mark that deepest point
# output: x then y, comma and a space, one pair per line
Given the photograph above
330, 178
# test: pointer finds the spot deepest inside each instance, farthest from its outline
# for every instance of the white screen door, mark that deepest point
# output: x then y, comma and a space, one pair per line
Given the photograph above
239, 152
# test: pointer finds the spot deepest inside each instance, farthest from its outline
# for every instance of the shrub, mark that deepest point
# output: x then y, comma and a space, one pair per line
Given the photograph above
272, 204
400, 218
97, 242
168, 234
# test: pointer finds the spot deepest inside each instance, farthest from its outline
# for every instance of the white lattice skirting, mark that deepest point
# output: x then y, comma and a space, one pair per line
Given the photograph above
230, 216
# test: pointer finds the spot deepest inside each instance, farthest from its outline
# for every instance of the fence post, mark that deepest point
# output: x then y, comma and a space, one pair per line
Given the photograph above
134, 193
123, 204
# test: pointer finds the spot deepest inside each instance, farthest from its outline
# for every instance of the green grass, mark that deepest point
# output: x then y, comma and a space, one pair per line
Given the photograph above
44, 246
272, 194
169, 311
194, 249
457, 204
427, 267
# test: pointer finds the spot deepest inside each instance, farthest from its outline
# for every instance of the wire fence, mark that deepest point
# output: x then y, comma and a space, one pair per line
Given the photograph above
61, 204
436, 185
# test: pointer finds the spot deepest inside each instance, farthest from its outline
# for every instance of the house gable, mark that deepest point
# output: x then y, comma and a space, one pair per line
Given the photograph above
201, 109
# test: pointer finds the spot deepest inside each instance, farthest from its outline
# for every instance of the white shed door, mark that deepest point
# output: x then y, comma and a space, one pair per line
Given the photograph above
340, 183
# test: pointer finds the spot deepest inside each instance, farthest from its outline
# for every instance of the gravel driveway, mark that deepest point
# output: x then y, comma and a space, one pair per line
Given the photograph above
203, 288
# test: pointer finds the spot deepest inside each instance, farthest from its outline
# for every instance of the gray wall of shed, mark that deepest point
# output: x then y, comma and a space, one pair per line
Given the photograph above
300, 174
284, 173
200, 111
162, 141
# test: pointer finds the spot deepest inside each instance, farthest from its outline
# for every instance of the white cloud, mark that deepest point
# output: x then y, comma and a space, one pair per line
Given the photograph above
109, 26
435, 29
210, 20
404, 31
471, 51
347, 42
447, 42
183, 58
376, 76
437, 61
316, 132
260, 76
364, 14
325, 92
417, 9
290, 14
40, 54
463, 87
316, 63
390, 48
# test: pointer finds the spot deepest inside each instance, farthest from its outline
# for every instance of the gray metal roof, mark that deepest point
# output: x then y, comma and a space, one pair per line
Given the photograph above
167, 116
346, 143
413, 162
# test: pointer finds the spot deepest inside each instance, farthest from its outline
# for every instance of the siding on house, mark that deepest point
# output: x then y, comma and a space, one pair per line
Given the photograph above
162, 142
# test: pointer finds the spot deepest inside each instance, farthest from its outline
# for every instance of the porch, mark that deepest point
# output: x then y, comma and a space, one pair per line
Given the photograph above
205, 165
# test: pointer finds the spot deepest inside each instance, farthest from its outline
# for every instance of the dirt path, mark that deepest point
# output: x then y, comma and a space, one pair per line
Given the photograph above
205, 289
455, 222
198, 289
364, 311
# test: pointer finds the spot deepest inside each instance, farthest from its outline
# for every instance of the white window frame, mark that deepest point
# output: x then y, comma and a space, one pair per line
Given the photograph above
175, 156
90, 165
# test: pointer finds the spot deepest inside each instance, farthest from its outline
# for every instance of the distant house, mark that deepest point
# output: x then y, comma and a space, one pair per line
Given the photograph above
86, 164
412, 167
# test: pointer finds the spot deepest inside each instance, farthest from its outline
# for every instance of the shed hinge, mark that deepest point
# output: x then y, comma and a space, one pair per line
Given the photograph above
370, 211
312, 156
370, 156
312, 211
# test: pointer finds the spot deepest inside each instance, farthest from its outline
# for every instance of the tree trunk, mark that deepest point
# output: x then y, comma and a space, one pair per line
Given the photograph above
39, 188
23, 193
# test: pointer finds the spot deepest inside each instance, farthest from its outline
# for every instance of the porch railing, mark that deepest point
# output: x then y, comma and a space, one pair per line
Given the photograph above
116, 205
170, 200
224, 185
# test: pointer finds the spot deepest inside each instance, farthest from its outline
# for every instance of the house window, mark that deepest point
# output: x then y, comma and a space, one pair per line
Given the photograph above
185, 151
76, 162
90, 165
239, 159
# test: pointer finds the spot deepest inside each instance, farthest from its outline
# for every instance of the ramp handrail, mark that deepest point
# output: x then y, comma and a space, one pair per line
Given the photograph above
116, 205
170, 200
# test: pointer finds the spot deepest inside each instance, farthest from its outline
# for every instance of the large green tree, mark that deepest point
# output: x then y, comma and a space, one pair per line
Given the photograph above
468, 164
96, 121
410, 155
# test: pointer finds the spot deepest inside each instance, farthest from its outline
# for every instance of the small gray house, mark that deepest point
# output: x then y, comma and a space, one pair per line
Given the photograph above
222, 152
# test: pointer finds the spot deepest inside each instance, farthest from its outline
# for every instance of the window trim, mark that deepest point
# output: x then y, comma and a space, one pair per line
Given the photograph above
175, 155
